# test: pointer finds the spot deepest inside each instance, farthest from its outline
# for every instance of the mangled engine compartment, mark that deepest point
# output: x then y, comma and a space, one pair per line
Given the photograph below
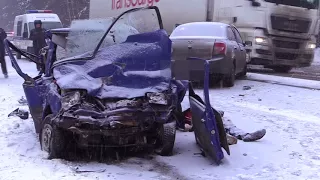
114, 122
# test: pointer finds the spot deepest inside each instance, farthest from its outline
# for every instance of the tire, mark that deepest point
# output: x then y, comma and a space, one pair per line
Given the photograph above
282, 69
18, 55
52, 139
167, 136
228, 80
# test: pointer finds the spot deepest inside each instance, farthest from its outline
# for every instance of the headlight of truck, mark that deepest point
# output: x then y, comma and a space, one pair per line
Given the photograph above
157, 98
311, 46
261, 41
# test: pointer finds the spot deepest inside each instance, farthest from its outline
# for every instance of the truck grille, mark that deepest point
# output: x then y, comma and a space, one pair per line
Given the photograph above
286, 24
286, 44
287, 56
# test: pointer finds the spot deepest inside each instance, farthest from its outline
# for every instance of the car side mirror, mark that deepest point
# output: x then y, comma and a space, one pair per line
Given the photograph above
247, 43
25, 35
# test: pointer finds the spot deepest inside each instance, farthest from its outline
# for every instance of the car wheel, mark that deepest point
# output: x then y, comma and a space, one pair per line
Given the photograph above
18, 55
52, 139
282, 69
167, 136
228, 80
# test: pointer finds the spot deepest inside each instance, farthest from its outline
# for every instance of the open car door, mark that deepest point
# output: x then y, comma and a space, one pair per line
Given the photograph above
34, 88
208, 127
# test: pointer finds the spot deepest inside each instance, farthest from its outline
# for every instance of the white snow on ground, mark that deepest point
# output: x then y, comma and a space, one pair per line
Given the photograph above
290, 150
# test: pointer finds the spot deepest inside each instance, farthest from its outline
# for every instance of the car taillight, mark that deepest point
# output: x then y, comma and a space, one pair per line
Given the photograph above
219, 48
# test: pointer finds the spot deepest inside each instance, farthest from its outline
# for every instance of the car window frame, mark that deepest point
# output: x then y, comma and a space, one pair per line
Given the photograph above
228, 34
237, 35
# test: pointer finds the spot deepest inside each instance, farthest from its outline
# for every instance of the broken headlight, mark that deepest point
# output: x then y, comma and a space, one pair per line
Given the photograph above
70, 99
157, 98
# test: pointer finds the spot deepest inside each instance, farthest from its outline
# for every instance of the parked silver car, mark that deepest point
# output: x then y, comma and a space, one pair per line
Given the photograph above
212, 41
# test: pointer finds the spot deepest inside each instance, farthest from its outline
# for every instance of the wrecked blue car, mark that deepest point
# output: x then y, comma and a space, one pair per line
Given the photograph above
108, 83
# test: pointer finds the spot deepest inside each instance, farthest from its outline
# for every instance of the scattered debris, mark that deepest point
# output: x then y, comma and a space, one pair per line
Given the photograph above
23, 101
246, 87
80, 170
20, 113
231, 140
241, 95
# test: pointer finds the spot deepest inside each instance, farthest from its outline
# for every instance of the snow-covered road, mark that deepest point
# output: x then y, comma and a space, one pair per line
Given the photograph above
290, 150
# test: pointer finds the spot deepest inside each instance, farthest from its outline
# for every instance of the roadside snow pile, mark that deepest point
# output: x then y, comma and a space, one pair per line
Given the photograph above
294, 82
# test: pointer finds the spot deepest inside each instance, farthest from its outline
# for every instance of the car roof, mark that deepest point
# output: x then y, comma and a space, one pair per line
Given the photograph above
206, 23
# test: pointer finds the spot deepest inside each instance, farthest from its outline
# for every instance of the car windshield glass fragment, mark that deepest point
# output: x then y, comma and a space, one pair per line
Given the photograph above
85, 35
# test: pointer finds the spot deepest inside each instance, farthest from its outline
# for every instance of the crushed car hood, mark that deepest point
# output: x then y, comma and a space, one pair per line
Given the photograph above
139, 65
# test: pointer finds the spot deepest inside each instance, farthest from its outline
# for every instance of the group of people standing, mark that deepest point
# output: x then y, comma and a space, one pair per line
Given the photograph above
37, 35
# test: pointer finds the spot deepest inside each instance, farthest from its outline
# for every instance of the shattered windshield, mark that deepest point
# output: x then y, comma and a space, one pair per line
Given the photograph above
310, 4
85, 35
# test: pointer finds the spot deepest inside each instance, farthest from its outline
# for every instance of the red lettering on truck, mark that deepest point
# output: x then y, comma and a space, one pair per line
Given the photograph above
119, 4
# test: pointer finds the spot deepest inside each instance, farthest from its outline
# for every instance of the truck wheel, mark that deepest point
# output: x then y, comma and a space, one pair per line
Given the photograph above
282, 69
167, 136
229, 79
52, 139
18, 55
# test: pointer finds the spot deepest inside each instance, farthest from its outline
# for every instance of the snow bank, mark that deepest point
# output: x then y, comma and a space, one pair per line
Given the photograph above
294, 82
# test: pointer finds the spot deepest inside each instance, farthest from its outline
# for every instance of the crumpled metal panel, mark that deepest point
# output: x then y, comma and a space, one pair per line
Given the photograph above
131, 69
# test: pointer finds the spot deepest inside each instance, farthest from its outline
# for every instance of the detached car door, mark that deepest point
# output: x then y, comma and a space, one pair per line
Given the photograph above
208, 128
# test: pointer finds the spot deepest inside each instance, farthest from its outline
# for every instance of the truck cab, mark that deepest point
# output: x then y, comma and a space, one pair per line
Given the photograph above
23, 24
281, 34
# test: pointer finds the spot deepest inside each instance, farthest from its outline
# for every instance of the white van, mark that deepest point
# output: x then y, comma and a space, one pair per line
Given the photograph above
23, 24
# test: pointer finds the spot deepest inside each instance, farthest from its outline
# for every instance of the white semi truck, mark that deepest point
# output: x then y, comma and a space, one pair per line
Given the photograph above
280, 34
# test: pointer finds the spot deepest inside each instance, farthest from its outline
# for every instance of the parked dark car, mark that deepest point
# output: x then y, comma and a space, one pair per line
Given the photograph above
210, 40
110, 85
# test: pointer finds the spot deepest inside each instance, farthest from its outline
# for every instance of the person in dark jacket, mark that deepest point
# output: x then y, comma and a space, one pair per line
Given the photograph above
37, 35
3, 36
